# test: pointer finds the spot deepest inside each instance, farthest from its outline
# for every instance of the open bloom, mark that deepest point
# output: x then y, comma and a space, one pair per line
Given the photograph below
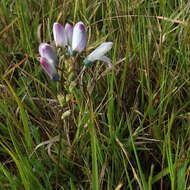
48, 60
79, 38
59, 35
98, 54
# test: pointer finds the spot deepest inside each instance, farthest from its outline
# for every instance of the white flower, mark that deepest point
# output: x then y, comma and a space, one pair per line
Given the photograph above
98, 54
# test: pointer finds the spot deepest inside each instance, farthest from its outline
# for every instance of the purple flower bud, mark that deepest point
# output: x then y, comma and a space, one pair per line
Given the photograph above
47, 52
59, 34
79, 38
69, 33
49, 69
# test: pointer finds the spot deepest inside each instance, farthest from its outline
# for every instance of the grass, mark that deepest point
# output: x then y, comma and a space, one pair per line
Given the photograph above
122, 129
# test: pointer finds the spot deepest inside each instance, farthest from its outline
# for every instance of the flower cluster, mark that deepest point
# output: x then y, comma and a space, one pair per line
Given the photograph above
74, 39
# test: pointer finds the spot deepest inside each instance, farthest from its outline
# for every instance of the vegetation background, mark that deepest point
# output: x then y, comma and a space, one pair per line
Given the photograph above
122, 129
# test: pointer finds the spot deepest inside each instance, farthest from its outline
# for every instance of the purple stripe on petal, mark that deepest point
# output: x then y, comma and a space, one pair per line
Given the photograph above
47, 51
49, 69
79, 37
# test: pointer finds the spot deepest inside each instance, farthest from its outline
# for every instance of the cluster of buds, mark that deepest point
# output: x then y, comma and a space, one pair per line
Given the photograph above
74, 39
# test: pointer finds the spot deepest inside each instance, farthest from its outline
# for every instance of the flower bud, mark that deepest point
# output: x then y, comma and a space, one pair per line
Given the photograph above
69, 33
59, 34
49, 69
47, 52
79, 38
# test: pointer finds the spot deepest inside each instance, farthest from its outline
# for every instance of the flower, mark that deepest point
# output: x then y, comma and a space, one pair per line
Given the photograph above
59, 34
47, 51
48, 60
79, 38
98, 54
69, 33
49, 69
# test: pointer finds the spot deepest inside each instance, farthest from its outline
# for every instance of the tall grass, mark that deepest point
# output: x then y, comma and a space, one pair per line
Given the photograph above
127, 128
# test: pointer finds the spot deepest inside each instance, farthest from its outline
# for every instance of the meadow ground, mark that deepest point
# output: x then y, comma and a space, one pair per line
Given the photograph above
125, 128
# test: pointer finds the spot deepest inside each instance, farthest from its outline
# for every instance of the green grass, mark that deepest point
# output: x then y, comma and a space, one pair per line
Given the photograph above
128, 128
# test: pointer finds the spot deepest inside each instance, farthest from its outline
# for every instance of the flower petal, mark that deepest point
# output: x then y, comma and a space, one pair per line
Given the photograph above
49, 69
47, 51
69, 33
79, 37
59, 34
99, 51
107, 60
103, 58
